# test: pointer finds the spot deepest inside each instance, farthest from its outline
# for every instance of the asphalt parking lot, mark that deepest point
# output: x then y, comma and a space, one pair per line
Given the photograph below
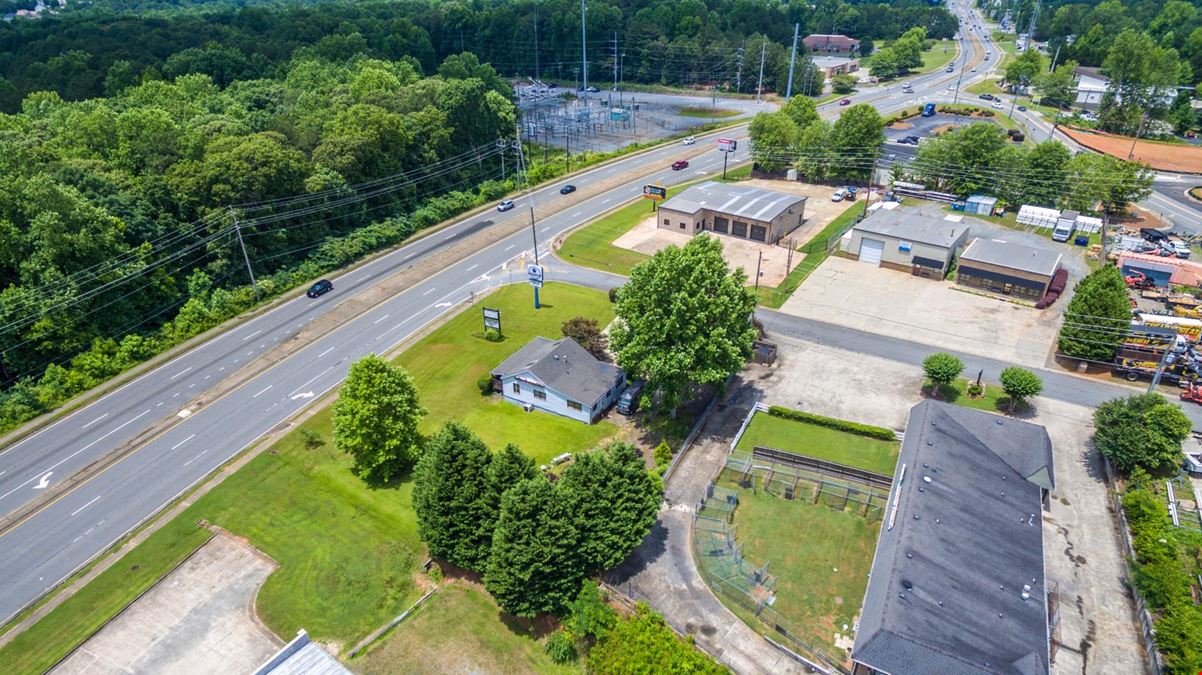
924, 126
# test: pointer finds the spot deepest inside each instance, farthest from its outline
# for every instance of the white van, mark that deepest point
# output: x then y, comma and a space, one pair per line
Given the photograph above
1065, 225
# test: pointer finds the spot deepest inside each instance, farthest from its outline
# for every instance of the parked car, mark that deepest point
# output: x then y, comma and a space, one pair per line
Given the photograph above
852, 190
567, 189
846, 101
1181, 248
986, 97
552, 85
505, 205
682, 164
838, 195
592, 90
689, 140
628, 402
320, 288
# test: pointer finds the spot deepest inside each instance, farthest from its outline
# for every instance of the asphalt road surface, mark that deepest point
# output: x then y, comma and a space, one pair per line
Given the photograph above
187, 441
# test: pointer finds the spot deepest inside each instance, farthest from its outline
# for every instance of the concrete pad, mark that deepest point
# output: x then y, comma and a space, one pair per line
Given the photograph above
820, 210
862, 296
199, 619
775, 262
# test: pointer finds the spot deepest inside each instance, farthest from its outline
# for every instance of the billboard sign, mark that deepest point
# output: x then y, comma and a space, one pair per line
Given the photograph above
492, 319
727, 145
656, 192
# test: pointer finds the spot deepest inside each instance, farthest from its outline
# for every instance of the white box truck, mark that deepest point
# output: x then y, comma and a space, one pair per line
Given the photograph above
1065, 224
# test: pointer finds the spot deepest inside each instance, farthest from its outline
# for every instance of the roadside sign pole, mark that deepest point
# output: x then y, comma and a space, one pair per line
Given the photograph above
530, 203
725, 156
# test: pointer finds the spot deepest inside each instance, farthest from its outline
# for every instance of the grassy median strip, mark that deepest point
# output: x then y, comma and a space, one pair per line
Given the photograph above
347, 551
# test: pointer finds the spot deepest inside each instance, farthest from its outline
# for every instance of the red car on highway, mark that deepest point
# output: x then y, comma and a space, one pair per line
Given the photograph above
682, 164
846, 101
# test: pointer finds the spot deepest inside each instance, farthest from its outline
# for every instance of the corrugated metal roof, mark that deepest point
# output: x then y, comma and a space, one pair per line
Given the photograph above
1015, 256
914, 227
733, 200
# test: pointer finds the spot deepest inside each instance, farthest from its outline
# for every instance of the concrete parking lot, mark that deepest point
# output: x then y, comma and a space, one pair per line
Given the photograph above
199, 619
862, 296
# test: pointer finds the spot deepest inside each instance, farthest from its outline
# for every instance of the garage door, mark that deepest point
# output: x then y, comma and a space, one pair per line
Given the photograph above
871, 250
759, 232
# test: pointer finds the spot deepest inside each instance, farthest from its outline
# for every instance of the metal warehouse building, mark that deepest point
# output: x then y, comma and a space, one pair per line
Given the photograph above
1010, 269
744, 212
906, 241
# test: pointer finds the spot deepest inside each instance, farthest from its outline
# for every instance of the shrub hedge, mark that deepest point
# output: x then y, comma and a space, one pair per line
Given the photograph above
879, 433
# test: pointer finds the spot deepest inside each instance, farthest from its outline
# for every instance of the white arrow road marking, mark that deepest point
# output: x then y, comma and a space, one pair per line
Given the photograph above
72, 455
443, 304
76, 511
307, 394
310, 381
95, 421
183, 441
44, 481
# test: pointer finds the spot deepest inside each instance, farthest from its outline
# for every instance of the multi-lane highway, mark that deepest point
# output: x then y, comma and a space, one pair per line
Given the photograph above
177, 423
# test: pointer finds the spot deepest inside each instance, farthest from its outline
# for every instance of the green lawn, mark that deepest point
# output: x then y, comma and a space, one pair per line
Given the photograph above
821, 558
707, 112
446, 364
936, 58
459, 630
988, 86
819, 442
816, 251
347, 551
994, 399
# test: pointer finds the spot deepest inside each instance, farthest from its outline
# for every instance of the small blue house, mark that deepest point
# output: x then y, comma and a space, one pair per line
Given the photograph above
561, 377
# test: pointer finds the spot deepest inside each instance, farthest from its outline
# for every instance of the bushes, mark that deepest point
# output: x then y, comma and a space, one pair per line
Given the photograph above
1163, 574
484, 383
663, 457
879, 433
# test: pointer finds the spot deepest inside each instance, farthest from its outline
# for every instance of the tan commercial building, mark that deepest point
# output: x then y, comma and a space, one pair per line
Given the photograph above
910, 242
830, 66
832, 45
1010, 269
743, 212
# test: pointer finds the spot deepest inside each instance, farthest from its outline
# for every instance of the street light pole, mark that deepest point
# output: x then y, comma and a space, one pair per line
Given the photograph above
530, 202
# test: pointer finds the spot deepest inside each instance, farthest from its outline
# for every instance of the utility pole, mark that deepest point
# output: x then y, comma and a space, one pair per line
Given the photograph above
1052, 68
758, 262
615, 59
529, 200
792, 61
536, 77
245, 257
759, 86
501, 146
1031, 27
872, 172
739, 73
584, 49
1164, 361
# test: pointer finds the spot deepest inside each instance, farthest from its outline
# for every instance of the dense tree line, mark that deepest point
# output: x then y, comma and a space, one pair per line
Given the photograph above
88, 54
980, 158
795, 136
116, 227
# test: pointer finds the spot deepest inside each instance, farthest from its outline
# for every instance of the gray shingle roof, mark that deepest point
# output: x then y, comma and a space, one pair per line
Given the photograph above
1014, 256
734, 200
914, 227
945, 592
564, 366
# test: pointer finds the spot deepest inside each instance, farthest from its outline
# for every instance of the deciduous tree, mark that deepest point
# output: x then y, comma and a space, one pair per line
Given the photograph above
376, 418
587, 334
941, 369
772, 138
1097, 318
685, 320
1141, 431
1019, 384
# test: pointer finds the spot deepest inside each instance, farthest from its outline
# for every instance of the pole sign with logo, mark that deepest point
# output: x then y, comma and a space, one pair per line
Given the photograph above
727, 145
656, 192
534, 274
492, 319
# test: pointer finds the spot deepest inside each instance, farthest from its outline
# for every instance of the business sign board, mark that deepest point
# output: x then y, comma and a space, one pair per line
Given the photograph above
492, 319
534, 274
727, 145
656, 192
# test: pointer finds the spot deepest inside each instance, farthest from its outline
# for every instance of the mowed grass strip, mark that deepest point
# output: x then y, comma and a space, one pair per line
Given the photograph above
347, 551
820, 442
447, 363
704, 112
460, 630
820, 557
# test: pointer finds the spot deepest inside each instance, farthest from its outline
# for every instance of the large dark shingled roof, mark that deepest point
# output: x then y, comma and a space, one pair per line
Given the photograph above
961, 542
565, 366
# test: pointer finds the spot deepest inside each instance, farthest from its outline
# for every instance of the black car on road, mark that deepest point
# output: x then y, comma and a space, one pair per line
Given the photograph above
320, 288
567, 189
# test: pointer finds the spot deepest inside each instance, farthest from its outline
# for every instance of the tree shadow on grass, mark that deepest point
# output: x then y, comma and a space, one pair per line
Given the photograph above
536, 629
